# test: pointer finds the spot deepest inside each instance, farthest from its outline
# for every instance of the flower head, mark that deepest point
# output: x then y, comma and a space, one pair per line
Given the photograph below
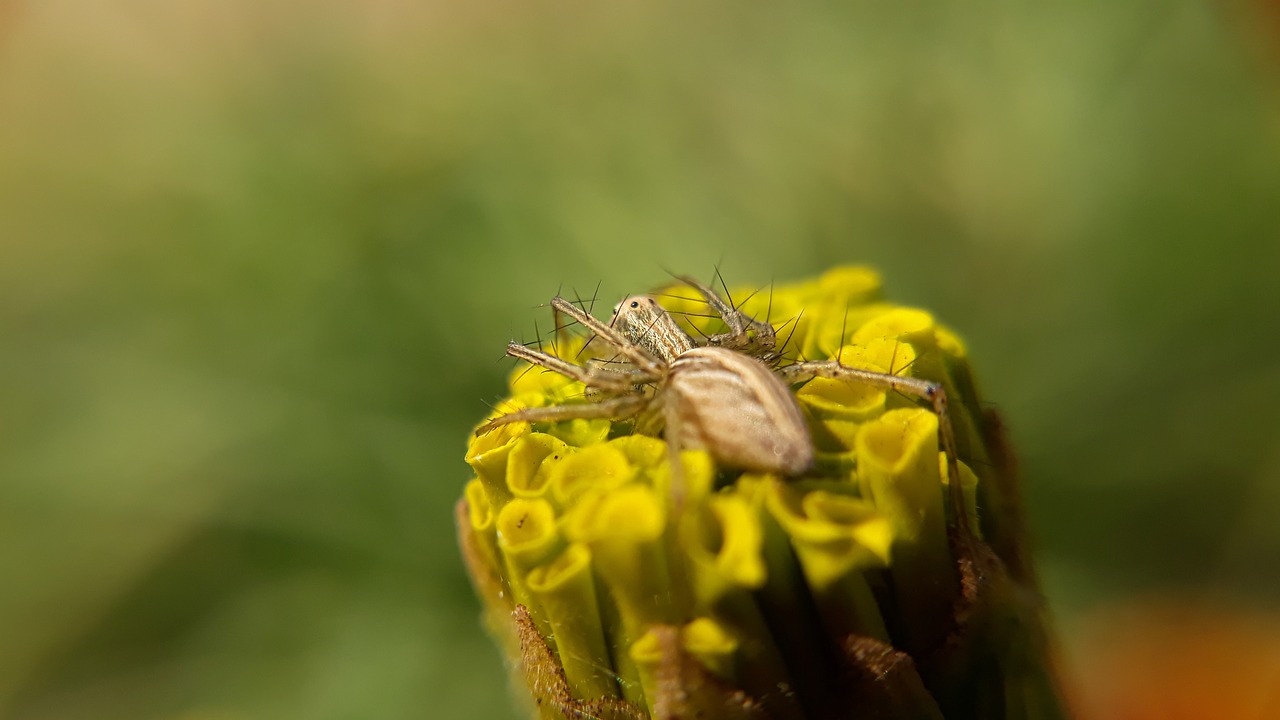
859, 587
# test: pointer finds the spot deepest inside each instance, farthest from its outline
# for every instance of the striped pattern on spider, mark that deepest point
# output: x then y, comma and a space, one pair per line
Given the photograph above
719, 394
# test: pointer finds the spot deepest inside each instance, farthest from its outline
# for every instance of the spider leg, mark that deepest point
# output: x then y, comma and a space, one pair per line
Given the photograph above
615, 409
737, 321
595, 377
675, 443
924, 389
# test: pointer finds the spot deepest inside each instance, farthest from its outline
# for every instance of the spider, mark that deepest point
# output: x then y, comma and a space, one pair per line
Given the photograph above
721, 396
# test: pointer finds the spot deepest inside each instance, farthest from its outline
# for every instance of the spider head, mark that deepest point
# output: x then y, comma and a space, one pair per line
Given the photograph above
643, 322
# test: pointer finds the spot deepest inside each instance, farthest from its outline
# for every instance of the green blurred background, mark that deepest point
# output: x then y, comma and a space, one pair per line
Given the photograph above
259, 261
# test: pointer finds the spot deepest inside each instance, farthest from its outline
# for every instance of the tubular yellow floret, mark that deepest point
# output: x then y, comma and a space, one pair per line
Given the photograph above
565, 589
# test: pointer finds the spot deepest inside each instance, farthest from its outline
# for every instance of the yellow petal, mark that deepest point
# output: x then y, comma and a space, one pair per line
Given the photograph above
529, 466
602, 467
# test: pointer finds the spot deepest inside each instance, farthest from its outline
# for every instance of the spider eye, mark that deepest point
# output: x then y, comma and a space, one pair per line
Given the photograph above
635, 303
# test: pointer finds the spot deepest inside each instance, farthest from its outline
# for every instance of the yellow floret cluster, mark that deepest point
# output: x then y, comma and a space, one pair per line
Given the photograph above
763, 595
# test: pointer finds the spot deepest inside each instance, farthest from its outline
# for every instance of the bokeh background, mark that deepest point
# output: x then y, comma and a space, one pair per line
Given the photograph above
259, 261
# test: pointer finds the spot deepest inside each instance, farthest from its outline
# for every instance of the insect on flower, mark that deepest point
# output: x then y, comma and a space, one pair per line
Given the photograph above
719, 394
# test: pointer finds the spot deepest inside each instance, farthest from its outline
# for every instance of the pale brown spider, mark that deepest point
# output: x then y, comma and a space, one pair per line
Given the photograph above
719, 395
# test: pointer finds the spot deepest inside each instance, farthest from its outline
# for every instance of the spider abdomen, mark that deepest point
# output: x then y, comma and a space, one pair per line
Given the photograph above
736, 408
